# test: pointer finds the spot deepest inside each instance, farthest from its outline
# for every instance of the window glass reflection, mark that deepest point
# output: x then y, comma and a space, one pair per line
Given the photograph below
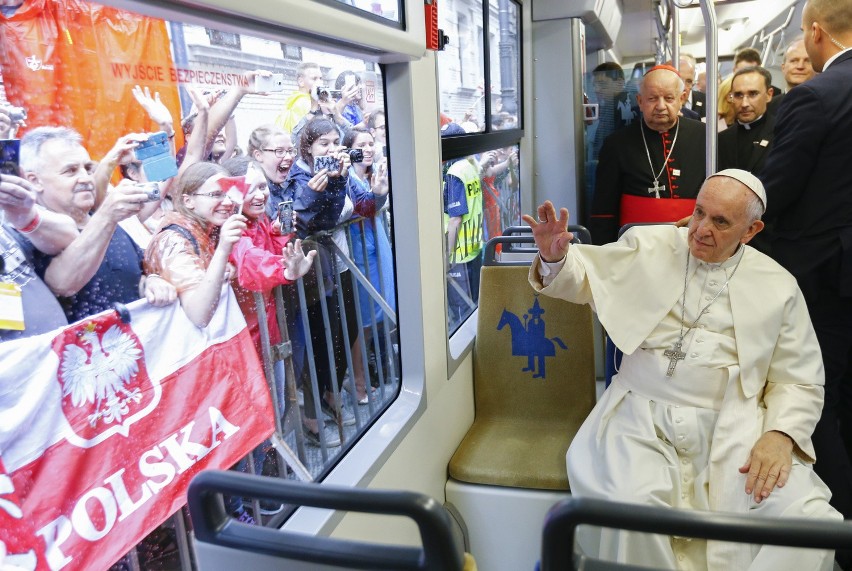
388, 9
461, 65
481, 199
505, 65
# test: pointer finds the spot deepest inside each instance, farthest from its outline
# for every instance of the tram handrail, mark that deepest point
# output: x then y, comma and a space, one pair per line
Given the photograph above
440, 551
562, 520
711, 36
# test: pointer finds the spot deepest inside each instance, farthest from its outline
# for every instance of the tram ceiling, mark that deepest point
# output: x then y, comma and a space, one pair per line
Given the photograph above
738, 21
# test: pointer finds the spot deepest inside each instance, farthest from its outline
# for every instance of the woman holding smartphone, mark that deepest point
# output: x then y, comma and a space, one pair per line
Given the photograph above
192, 247
318, 182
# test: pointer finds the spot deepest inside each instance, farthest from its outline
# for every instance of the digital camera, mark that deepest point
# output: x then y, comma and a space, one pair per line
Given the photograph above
355, 155
155, 153
324, 93
152, 189
327, 162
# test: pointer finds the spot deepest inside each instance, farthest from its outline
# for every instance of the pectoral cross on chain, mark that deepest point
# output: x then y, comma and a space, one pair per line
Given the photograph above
674, 354
657, 188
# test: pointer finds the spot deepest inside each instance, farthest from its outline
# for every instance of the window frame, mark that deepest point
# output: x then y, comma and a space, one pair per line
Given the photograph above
392, 51
460, 342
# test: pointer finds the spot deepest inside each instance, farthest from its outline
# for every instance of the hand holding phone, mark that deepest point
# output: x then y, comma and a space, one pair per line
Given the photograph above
328, 162
269, 83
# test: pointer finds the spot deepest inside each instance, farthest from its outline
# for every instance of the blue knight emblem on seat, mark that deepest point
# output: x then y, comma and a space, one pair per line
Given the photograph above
529, 339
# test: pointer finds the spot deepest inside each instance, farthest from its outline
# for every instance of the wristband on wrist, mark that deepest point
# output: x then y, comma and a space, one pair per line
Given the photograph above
33, 225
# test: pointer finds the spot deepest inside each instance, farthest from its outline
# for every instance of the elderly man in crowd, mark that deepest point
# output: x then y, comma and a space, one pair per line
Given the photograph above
721, 382
650, 171
103, 265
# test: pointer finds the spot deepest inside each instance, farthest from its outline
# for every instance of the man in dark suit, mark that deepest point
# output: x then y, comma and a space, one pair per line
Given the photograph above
693, 105
746, 143
808, 181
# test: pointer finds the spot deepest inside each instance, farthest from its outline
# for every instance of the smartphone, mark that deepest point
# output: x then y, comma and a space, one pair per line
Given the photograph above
155, 153
274, 82
327, 162
324, 93
10, 150
285, 216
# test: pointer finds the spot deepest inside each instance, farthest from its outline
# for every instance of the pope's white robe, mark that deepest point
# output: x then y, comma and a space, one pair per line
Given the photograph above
763, 373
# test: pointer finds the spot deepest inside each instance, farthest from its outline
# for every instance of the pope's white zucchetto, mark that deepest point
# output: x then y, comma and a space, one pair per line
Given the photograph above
752, 182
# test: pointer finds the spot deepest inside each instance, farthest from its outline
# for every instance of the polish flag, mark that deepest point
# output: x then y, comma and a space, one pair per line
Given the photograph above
235, 188
104, 423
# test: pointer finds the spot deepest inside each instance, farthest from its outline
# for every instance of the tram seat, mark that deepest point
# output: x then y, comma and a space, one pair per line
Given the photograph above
221, 542
558, 551
510, 467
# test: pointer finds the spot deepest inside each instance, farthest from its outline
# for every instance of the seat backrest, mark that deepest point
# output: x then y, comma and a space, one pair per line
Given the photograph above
557, 552
224, 543
534, 355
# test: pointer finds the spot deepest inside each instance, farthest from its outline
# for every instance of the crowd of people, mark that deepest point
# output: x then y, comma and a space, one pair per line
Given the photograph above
735, 318
481, 199
664, 156
81, 235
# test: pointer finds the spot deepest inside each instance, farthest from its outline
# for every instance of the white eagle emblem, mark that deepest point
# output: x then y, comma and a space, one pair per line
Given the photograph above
95, 371
33, 62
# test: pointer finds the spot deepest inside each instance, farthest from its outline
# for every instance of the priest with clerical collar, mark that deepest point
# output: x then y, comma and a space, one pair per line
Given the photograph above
720, 386
651, 170
746, 145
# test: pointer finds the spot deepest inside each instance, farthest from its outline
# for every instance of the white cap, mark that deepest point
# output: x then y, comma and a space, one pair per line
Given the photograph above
748, 179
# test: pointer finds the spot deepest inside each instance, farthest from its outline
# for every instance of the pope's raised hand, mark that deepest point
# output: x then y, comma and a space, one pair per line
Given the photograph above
550, 232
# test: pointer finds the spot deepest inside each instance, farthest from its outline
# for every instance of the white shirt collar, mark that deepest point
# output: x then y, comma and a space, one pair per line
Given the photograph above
834, 57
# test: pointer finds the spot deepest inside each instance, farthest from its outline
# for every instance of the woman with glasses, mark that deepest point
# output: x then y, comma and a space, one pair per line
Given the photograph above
192, 247
273, 149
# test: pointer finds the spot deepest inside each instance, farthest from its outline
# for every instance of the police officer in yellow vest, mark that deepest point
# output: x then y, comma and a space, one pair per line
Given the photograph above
463, 221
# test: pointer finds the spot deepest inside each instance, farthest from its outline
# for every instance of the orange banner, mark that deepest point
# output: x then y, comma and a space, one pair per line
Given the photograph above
58, 59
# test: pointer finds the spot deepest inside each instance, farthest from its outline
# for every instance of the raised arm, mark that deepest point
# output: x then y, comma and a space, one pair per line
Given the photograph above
222, 110
121, 151
200, 302
75, 266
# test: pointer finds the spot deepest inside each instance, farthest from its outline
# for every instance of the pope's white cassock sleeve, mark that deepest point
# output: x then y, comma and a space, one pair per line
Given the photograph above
680, 441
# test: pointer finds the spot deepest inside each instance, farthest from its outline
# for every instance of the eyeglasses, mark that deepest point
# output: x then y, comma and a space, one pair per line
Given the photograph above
739, 95
215, 195
281, 153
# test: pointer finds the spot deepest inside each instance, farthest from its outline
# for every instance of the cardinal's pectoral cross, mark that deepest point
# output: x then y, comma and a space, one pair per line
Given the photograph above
674, 354
657, 188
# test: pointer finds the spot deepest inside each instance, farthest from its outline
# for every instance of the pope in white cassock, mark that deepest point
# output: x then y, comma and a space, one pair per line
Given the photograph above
721, 383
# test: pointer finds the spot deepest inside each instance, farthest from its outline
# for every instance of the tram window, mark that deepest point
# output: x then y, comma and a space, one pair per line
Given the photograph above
388, 9
505, 49
481, 199
341, 320
479, 86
